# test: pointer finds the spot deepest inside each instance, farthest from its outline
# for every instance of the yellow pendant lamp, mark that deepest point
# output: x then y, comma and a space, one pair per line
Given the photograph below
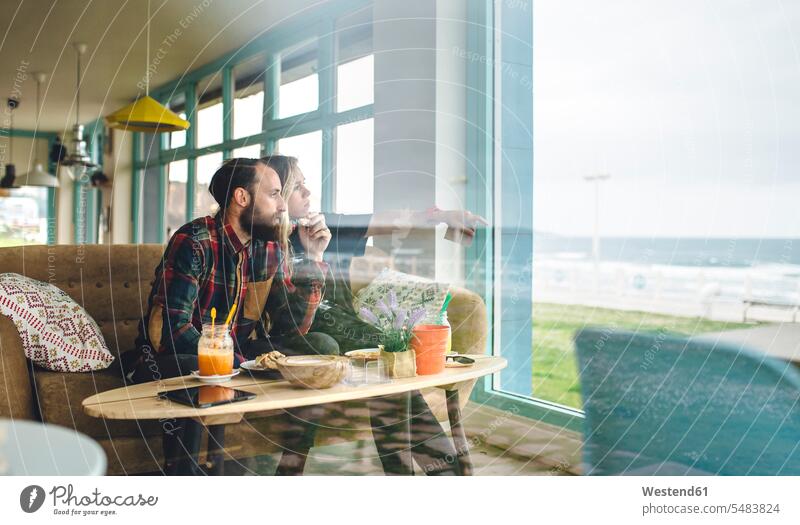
146, 114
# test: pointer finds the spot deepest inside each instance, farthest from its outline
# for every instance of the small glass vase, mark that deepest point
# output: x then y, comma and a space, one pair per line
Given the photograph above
399, 364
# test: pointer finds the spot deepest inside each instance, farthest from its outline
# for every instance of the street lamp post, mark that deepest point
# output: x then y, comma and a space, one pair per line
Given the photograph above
597, 179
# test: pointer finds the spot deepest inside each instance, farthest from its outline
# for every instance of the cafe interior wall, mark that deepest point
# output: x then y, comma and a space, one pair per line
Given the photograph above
420, 125
24, 154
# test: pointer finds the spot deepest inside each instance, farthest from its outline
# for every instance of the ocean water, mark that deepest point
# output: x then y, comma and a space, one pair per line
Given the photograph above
674, 251
683, 269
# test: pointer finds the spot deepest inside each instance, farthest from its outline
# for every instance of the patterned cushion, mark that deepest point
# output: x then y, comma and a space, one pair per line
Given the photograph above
412, 292
57, 333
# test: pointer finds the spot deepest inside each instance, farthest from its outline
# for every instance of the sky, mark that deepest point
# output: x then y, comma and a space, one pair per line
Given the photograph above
692, 107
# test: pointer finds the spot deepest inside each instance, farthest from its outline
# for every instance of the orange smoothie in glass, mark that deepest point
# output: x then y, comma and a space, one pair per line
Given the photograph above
215, 351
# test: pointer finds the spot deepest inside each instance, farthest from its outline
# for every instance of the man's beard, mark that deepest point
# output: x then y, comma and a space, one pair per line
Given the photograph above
260, 231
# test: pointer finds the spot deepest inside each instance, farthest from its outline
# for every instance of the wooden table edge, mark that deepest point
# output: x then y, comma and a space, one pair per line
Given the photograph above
97, 408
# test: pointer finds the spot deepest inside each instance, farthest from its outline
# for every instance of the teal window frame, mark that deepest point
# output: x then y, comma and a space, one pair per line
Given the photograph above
483, 181
50, 137
317, 23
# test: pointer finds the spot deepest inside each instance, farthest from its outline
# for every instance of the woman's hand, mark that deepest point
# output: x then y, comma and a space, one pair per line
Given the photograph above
314, 235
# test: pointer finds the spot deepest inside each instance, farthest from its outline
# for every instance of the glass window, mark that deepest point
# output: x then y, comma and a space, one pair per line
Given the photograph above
308, 150
354, 83
354, 167
354, 74
177, 139
209, 111
204, 203
177, 173
299, 91
252, 151
248, 99
656, 180
23, 216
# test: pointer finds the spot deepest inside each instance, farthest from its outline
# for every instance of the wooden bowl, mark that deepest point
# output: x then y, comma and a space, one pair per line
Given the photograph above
313, 371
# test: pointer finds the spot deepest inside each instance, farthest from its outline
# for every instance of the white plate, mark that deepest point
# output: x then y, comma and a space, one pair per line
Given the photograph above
251, 366
214, 379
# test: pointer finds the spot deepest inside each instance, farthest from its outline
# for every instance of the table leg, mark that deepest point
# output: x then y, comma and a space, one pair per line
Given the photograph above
459, 438
187, 464
216, 450
390, 417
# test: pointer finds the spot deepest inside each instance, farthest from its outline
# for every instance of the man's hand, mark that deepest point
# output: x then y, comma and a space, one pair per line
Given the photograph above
463, 222
314, 235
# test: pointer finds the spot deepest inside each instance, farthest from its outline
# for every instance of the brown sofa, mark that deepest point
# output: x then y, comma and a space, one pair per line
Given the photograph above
112, 283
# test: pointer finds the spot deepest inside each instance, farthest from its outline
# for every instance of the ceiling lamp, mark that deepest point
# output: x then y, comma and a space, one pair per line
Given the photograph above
10, 176
38, 176
77, 155
146, 114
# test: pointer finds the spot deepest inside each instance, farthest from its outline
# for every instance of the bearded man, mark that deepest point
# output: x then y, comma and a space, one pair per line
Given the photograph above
235, 257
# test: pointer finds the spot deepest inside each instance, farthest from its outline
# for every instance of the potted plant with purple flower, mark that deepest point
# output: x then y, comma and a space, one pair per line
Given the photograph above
396, 325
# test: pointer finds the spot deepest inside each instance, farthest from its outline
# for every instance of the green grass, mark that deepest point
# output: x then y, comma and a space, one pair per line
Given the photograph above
555, 373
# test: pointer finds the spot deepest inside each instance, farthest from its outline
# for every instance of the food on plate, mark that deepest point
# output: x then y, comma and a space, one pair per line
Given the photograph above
269, 360
368, 355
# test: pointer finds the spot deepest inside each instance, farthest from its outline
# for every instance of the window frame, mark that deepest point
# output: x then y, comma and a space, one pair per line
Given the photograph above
485, 158
319, 24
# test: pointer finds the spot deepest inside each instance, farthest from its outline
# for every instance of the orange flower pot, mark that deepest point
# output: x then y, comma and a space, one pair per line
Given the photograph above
429, 342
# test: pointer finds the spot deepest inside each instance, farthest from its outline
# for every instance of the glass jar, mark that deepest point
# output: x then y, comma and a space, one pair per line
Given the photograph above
215, 351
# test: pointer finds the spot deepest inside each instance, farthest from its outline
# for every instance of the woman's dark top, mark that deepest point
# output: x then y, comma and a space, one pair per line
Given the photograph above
336, 316
348, 239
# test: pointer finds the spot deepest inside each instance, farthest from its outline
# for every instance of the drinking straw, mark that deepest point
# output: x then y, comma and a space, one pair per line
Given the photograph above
230, 315
213, 318
444, 306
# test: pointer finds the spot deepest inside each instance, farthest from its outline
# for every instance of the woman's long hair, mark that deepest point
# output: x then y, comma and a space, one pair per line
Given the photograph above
286, 168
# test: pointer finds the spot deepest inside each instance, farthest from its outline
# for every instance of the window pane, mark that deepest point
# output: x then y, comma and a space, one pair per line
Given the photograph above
23, 216
177, 139
176, 195
209, 111
354, 167
248, 152
308, 150
299, 92
656, 175
355, 84
204, 203
248, 100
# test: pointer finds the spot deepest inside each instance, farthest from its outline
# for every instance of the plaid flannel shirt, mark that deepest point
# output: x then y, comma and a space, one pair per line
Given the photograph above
206, 265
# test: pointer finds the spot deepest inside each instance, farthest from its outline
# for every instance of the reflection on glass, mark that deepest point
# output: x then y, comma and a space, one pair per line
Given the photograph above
248, 98
252, 151
299, 91
204, 203
355, 83
354, 167
177, 175
308, 150
23, 216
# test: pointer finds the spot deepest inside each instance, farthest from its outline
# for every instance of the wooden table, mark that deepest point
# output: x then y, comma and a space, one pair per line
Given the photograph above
142, 401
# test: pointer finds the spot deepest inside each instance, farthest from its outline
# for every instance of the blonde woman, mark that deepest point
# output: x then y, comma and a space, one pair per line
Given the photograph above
403, 425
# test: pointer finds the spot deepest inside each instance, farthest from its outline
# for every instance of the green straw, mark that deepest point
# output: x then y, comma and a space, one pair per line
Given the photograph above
444, 306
